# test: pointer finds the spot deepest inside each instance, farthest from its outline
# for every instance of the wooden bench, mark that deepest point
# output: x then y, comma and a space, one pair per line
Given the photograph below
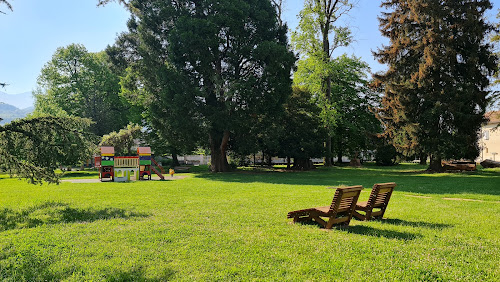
338, 213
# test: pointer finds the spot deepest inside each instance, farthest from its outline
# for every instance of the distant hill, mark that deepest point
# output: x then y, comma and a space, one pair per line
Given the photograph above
9, 113
20, 101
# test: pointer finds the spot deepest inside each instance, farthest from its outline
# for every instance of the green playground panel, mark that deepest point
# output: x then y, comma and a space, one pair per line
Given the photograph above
145, 162
107, 163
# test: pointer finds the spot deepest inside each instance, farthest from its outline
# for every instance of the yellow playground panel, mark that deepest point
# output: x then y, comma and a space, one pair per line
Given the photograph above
126, 162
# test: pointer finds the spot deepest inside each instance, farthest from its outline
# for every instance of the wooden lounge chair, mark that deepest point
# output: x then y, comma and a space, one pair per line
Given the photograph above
338, 213
379, 198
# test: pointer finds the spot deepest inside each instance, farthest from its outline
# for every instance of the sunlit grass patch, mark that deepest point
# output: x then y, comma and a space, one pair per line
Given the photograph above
233, 227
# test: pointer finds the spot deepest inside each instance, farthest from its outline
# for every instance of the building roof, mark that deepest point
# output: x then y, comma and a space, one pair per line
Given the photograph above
144, 150
493, 117
107, 150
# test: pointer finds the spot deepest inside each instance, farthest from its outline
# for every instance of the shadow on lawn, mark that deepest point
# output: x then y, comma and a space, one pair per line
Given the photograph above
395, 221
390, 234
35, 265
55, 213
139, 274
370, 231
408, 177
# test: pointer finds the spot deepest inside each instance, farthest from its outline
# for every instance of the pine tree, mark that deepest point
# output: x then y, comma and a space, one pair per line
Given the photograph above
436, 87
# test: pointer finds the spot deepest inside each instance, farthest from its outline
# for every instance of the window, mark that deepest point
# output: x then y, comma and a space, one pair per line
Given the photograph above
486, 135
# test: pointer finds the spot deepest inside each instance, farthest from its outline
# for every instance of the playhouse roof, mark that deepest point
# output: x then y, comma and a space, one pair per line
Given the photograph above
107, 150
144, 150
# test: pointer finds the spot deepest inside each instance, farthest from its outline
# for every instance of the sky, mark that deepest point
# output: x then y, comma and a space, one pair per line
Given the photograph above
31, 33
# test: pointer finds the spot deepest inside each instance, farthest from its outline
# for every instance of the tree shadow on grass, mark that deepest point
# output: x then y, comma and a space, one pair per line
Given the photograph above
139, 274
55, 213
28, 265
408, 180
34, 265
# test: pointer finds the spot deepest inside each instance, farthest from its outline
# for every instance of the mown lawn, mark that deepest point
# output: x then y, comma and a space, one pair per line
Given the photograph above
234, 227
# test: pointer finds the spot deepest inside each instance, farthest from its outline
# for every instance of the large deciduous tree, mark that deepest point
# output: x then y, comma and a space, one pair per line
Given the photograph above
357, 126
436, 87
316, 39
78, 83
210, 63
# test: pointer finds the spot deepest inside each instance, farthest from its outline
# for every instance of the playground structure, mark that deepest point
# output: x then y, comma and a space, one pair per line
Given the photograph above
121, 169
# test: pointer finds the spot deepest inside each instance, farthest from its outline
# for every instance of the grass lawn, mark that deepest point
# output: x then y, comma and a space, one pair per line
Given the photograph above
233, 227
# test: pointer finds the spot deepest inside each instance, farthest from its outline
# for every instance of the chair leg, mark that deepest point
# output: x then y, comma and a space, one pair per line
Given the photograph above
320, 221
329, 225
359, 216
369, 215
382, 210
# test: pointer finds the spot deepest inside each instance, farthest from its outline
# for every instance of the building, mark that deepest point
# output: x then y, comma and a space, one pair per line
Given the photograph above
489, 143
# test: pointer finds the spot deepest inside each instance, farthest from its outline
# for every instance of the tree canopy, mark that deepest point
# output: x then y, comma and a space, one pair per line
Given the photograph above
78, 83
215, 62
436, 87
33, 148
314, 40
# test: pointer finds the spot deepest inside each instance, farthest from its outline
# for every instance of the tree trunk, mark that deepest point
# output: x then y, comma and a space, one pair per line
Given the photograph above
435, 164
218, 144
288, 163
269, 160
423, 159
175, 159
340, 149
339, 152
302, 164
328, 157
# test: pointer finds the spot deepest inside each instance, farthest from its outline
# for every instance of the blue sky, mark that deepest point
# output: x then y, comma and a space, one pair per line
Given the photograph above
35, 29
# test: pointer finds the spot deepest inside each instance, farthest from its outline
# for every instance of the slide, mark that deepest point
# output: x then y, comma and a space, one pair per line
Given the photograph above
158, 165
157, 172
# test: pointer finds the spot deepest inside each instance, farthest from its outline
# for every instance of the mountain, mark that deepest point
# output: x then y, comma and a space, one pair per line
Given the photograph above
9, 113
20, 101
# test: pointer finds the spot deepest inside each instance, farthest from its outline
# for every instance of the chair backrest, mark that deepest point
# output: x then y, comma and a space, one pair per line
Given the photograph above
345, 198
381, 194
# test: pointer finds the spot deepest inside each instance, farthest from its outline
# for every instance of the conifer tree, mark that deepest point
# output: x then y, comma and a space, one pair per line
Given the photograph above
436, 87
215, 62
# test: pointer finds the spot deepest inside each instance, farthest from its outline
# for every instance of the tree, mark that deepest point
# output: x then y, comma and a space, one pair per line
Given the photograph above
33, 148
303, 131
436, 87
78, 83
215, 62
6, 3
123, 140
356, 126
313, 41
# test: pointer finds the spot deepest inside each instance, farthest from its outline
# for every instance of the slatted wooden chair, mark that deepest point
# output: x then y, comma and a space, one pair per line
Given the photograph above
379, 199
338, 213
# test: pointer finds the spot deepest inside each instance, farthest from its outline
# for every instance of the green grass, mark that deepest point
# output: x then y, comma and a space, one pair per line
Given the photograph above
233, 227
